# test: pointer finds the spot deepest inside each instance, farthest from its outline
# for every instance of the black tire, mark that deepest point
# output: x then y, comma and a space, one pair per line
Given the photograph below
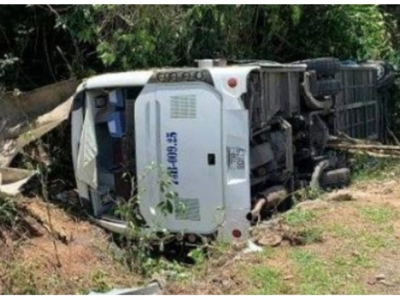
324, 66
383, 68
386, 81
389, 77
386, 74
326, 87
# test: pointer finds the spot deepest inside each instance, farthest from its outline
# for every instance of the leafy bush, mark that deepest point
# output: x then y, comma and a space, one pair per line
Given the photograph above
138, 242
366, 167
128, 37
8, 212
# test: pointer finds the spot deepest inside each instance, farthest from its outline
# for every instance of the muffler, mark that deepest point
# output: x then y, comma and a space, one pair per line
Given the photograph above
266, 199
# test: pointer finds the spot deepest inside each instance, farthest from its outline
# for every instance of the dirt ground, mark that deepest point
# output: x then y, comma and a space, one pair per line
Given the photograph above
72, 256
352, 247
356, 251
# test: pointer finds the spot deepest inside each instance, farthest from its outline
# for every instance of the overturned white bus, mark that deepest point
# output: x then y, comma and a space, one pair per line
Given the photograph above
236, 140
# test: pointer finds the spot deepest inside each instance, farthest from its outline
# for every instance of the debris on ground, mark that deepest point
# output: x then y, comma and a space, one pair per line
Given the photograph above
271, 239
273, 232
386, 283
71, 196
26, 118
312, 204
380, 277
12, 179
360, 146
238, 246
251, 247
341, 195
388, 187
153, 288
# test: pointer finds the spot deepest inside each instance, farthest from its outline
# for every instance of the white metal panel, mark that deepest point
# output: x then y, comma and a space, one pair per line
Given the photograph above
183, 123
221, 76
146, 138
111, 80
237, 173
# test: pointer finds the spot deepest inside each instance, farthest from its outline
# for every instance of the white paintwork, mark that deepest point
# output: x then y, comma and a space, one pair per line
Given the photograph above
221, 75
196, 138
223, 191
112, 80
236, 180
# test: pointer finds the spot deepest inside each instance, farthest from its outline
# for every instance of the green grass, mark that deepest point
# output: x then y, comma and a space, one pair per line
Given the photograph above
367, 168
269, 281
355, 251
20, 279
323, 269
381, 232
378, 215
359, 242
317, 276
311, 235
312, 272
347, 262
379, 242
8, 211
267, 253
359, 239
100, 283
342, 231
308, 193
297, 217
377, 233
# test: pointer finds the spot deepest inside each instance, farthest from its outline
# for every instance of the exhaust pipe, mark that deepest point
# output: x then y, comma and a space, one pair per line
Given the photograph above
255, 212
268, 198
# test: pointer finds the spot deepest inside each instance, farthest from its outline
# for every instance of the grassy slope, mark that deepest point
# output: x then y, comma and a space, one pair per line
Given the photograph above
360, 241
349, 243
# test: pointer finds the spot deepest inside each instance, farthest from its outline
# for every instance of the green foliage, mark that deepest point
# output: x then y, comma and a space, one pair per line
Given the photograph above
20, 280
197, 254
379, 215
345, 31
314, 273
82, 39
100, 283
308, 193
139, 243
128, 37
367, 168
298, 217
270, 280
6, 65
8, 212
311, 235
